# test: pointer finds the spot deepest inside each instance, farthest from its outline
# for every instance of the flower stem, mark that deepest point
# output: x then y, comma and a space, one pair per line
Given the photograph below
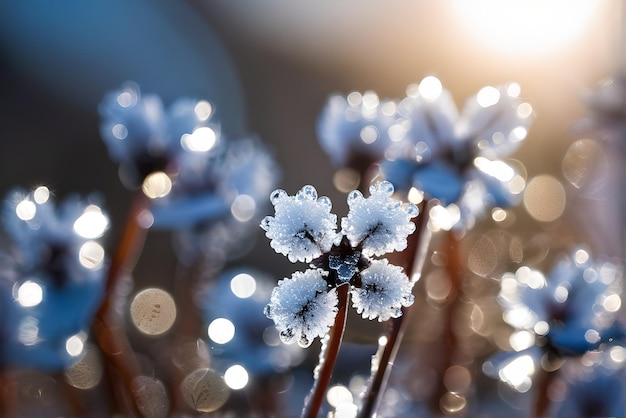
328, 356
544, 380
450, 341
9, 402
417, 247
108, 322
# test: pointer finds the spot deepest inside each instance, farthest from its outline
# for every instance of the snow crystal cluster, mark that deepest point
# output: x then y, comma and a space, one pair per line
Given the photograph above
304, 306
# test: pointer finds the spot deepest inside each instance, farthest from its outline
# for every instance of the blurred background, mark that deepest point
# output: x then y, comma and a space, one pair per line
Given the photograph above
269, 67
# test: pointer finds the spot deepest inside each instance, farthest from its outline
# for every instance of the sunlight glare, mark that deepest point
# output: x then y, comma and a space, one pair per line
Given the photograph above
526, 26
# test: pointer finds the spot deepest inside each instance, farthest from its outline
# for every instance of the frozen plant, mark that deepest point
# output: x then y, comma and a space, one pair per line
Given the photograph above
304, 306
457, 157
52, 279
569, 313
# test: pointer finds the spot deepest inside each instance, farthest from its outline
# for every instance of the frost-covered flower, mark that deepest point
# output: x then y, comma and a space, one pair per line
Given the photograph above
217, 197
569, 313
304, 230
231, 306
303, 227
356, 130
378, 224
56, 278
445, 154
303, 307
145, 137
384, 291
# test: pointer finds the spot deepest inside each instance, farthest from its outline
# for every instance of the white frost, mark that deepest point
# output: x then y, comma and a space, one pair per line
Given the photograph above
384, 291
303, 307
381, 224
303, 227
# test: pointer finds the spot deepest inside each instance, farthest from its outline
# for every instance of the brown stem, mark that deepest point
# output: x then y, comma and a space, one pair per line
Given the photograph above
108, 323
544, 380
185, 355
9, 403
417, 248
328, 356
450, 342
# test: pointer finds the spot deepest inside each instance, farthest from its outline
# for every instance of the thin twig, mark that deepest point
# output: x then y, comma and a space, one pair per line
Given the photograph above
108, 323
328, 356
418, 244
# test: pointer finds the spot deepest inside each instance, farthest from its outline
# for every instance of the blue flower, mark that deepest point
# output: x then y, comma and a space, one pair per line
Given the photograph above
456, 157
356, 130
232, 307
55, 282
144, 137
303, 307
217, 197
569, 313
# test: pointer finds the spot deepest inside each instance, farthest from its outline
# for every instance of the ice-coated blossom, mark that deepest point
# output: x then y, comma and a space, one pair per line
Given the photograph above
568, 313
236, 299
55, 278
303, 227
217, 197
378, 224
356, 130
374, 226
424, 142
303, 307
143, 136
384, 290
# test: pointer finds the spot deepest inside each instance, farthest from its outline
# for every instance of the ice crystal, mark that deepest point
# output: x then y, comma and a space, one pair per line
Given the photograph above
384, 290
303, 307
303, 227
378, 223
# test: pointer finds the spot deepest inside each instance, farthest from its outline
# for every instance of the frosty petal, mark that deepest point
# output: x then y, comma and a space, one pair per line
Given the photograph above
379, 223
302, 307
496, 120
357, 125
303, 227
385, 290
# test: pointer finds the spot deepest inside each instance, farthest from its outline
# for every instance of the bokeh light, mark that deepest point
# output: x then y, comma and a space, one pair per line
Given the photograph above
221, 330
157, 185
204, 390
544, 198
29, 294
153, 311
236, 377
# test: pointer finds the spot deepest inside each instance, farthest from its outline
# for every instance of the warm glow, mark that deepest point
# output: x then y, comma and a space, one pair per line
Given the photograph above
526, 26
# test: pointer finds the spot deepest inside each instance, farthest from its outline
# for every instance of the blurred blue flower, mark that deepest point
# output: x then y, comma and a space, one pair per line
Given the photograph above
356, 130
456, 157
569, 313
304, 306
232, 307
595, 387
143, 137
217, 198
54, 281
